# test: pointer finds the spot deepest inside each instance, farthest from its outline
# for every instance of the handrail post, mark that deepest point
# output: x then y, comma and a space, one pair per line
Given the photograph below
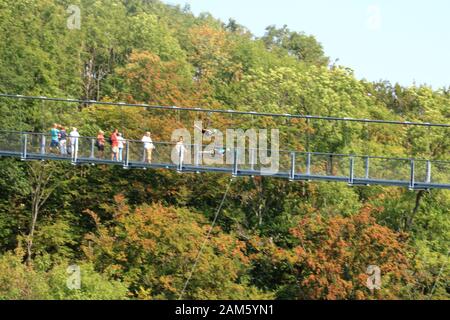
352, 172
412, 179
127, 152
24, 149
366, 167
144, 154
235, 163
308, 164
308, 135
43, 142
197, 155
428, 178
330, 165
180, 160
75, 151
92, 149
292, 173
252, 159
72, 149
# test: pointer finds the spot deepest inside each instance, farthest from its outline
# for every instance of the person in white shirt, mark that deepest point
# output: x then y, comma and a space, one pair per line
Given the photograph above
148, 147
74, 137
181, 149
121, 145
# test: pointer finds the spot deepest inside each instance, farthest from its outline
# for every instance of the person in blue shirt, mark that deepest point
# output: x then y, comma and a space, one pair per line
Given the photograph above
54, 132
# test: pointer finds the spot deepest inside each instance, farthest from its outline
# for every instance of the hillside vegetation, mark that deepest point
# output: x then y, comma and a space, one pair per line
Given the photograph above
135, 234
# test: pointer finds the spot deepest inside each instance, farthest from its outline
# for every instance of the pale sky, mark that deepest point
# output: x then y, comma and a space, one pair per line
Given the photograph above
397, 40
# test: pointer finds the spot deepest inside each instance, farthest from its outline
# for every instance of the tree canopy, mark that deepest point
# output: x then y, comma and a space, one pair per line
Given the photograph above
136, 234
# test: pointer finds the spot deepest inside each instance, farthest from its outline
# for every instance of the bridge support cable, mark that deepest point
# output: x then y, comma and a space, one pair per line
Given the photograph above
231, 112
208, 236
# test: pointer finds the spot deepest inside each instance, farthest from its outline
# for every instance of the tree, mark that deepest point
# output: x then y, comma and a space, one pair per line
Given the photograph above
159, 82
21, 282
42, 185
147, 51
154, 247
331, 258
211, 50
303, 47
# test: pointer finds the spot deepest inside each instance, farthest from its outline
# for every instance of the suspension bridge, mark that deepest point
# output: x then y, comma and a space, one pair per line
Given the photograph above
355, 170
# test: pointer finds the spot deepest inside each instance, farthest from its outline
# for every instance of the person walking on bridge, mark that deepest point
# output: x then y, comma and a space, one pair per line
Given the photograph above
148, 147
121, 145
63, 141
181, 150
54, 133
101, 144
74, 137
114, 145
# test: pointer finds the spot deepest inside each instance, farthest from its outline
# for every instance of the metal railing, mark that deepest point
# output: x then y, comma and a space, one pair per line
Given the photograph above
307, 166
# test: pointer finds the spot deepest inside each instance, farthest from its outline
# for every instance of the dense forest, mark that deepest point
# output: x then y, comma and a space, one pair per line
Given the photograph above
135, 234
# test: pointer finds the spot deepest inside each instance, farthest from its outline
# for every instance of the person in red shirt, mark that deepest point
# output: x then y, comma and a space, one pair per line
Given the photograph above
115, 145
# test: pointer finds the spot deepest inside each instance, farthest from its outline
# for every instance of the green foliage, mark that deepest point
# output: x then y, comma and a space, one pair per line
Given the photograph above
154, 249
94, 285
303, 47
148, 226
21, 282
17, 281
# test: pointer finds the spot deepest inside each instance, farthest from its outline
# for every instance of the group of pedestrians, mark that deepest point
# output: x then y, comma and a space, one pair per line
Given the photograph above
117, 142
59, 140
67, 144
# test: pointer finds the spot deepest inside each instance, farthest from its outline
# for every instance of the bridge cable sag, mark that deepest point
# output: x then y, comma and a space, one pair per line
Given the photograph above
219, 209
231, 112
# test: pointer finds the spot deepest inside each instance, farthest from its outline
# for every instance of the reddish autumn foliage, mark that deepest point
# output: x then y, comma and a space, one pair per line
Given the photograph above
333, 254
160, 82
